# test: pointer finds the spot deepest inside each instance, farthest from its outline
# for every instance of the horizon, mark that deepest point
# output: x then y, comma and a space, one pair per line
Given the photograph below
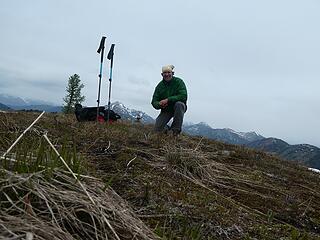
185, 122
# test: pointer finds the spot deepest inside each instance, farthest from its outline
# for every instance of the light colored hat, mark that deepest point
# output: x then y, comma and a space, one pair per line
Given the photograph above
167, 68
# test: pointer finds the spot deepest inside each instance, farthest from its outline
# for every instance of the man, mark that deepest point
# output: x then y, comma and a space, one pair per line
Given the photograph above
170, 96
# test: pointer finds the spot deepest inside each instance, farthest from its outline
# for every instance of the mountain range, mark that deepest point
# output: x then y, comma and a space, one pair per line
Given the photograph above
306, 154
226, 135
17, 103
4, 107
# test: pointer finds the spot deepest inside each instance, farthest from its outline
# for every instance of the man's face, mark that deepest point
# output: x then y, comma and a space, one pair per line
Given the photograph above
167, 75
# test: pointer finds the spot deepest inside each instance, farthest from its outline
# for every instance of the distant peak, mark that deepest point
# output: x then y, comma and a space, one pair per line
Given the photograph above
252, 132
204, 124
231, 130
117, 103
275, 140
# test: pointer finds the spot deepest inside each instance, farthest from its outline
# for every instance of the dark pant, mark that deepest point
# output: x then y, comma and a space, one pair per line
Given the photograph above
177, 115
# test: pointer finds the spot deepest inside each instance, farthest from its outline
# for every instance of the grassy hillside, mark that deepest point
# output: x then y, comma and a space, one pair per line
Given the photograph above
147, 186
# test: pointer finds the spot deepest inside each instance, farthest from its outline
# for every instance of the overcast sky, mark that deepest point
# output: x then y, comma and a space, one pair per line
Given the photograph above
248, 65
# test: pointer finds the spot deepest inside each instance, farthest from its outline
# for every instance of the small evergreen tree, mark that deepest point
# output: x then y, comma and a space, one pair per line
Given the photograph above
73, 95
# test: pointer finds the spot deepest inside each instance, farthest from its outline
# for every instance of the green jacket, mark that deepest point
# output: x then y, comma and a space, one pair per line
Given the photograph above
175, 90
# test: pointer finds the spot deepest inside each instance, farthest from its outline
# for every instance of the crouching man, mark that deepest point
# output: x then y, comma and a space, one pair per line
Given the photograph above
170, 95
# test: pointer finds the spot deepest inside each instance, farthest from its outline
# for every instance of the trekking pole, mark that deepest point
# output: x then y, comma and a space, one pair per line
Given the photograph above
24, 132
101, 52
110, 57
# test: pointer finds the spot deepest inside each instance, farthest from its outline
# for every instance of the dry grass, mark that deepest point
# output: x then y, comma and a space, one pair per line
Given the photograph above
59, 209
185, 188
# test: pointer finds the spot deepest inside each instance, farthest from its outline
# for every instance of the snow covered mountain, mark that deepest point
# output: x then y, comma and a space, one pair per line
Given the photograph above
131, 114
226, 135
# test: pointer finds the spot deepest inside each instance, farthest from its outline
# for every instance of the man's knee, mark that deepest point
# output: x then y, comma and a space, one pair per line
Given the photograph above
180, 106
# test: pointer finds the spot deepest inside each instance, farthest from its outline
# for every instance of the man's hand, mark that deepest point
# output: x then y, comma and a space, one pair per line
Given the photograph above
164, 103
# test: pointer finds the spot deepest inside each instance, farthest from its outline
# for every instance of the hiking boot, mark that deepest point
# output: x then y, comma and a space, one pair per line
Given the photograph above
175, 133
166, 129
